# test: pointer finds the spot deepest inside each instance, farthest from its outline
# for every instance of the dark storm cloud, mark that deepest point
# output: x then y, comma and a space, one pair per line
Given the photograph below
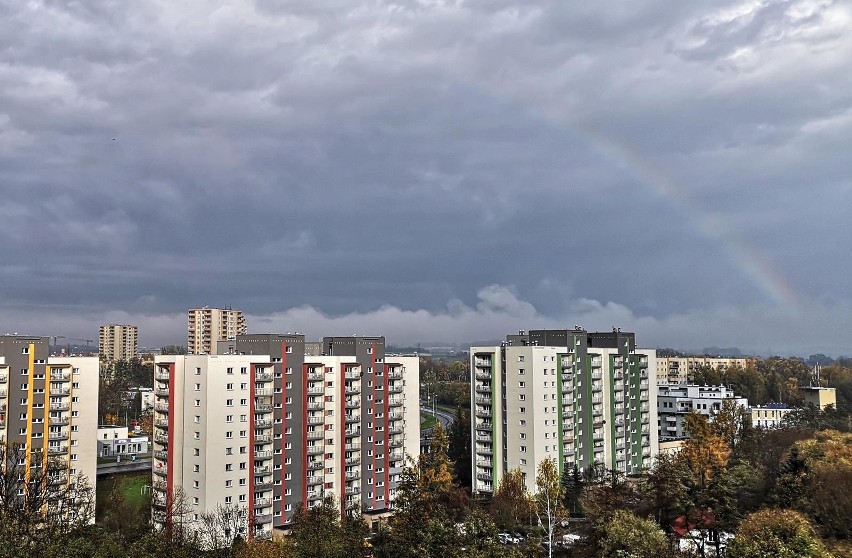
431, 170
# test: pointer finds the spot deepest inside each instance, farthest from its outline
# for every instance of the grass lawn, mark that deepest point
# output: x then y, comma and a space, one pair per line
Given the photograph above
130, 485
427, 421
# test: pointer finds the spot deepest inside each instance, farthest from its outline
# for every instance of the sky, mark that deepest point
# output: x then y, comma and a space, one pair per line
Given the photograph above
434, 171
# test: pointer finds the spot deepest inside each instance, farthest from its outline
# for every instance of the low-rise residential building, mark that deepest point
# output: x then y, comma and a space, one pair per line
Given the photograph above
117, 441
771, 415
680, 370
583, 399
674, 402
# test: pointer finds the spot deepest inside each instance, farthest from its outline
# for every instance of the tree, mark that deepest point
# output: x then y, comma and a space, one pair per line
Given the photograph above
222, 527
317, 532
39, 500
705, 452
548, 499
459, 447
776, 533
173, 350
627, 535
511, 505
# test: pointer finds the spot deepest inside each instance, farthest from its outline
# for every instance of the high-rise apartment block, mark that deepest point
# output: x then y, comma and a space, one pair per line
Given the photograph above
583, 399
49, 405
207, 326
269, 428
680, 370
675, 402
118, 342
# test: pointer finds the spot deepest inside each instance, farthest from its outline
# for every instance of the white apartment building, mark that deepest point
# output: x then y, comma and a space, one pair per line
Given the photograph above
583, 399
679, 370
50, 404
769, 416
206, 326
118, 342
674, 402
271, 432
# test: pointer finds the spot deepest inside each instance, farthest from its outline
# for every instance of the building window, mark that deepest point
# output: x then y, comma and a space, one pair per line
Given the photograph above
523, 449
522, 409
229, 418
198, 402
520, 358
197, 387
229, 402
230, 370
522, 384
229, 451
229, 434
229, 387
229, 467
195, 484
522, 397
229, 483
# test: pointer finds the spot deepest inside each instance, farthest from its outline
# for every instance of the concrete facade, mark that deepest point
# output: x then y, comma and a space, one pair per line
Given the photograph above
819, 397
269, 428
207, 326
679, 370
674, 402
50, 404
118, 342
769, 416
583, 399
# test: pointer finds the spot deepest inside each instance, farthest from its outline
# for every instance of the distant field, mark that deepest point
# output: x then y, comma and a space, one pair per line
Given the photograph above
130, 485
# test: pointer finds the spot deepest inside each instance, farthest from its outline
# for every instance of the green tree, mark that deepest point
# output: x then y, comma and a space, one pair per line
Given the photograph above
317, 533
511, 505
776, 534
459, 447
630, 536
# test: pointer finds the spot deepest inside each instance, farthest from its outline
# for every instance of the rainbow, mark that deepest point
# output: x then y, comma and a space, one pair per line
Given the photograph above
754, 265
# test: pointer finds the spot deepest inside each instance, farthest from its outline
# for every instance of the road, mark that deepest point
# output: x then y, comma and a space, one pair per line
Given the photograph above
124, 467
446, 421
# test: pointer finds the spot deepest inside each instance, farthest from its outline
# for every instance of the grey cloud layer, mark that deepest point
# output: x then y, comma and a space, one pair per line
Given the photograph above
349, 156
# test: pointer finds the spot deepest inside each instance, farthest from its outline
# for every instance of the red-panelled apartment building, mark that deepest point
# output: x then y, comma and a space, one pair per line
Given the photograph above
274, 423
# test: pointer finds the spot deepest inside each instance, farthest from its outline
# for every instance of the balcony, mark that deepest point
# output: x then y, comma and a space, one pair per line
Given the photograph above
316, 449
486, 426
483, 375
353, 390
482, 362
483, 400
59, 406
396, 456
316, 420
352, 432
161, 407
596, 375
484, 451
316, 435
395, 415
319, 390
159, 438
262, 470
161, 455
263, 424
396, 401
60, 391
353, 460
484, 476
483, 438
315, 376
162, 423
2, 393
161, 376
483, 389
263, 392
395, 374
353, 490
352, 374
396, 442
260, 519
315, 465
263, 376
58, 421
314, 480
161, 472
262, 438
396, 388
263, 484
60, 377
160, 392
353, 418
567, 414
263, 408
352, 447
353, 402
60, 435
